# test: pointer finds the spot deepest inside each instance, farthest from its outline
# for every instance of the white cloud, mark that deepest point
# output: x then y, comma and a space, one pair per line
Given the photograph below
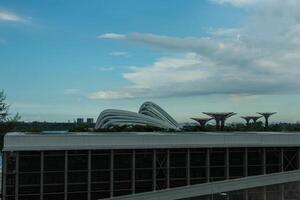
261, 56
110, 95
111, 36
239, 3
11, 17
105, 68
118, 53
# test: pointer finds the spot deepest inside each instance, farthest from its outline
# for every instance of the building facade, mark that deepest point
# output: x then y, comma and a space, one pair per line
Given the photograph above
97, 166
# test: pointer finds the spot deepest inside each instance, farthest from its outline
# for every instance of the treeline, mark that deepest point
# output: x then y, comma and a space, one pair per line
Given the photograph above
233, 127
49, 126
259, 126
84, 127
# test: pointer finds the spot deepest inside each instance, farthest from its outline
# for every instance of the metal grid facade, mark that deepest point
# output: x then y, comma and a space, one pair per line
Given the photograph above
96, 174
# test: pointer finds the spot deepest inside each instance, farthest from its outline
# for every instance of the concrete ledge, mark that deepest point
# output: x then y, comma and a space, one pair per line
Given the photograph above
29, 142
215, 187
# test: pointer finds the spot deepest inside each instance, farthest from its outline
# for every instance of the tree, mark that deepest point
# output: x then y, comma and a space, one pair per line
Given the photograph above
6, 123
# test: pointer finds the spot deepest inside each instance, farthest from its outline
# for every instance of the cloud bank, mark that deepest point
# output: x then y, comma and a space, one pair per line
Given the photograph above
11, 17
260, 57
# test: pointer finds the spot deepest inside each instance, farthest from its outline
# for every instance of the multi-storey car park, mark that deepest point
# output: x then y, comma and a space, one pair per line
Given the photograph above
90, 166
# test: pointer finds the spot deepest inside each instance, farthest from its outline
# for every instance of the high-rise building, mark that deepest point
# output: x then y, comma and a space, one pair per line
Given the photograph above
90, 120
80, 121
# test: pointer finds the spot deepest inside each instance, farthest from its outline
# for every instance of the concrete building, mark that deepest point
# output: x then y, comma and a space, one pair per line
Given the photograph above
90, 166
80, 120
90, 120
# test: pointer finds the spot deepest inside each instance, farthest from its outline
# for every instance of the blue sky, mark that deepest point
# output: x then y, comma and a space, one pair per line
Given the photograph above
66, 59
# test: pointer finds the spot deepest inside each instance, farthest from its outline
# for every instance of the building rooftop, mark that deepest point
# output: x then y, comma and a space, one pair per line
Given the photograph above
142, 140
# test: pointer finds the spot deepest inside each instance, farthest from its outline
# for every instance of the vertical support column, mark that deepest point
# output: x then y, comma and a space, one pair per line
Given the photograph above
89, 174
207, 165
168, 168
188, 167
264, 193
227, 163
133, 172
42, 177
264, 160
4, 173
246, 194
154, 170
281, 159
111, 173
17, 177
246, 163
66, 175
281, 191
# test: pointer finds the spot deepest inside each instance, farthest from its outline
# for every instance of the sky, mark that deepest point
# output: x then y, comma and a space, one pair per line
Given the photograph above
62, 59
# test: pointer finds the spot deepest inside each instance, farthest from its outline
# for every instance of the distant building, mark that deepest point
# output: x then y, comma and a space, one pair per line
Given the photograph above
90, 120
80, 120
149, 114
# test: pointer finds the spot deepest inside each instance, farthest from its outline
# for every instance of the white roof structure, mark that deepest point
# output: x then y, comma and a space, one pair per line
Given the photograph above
149, 114
153, 110
146, 140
